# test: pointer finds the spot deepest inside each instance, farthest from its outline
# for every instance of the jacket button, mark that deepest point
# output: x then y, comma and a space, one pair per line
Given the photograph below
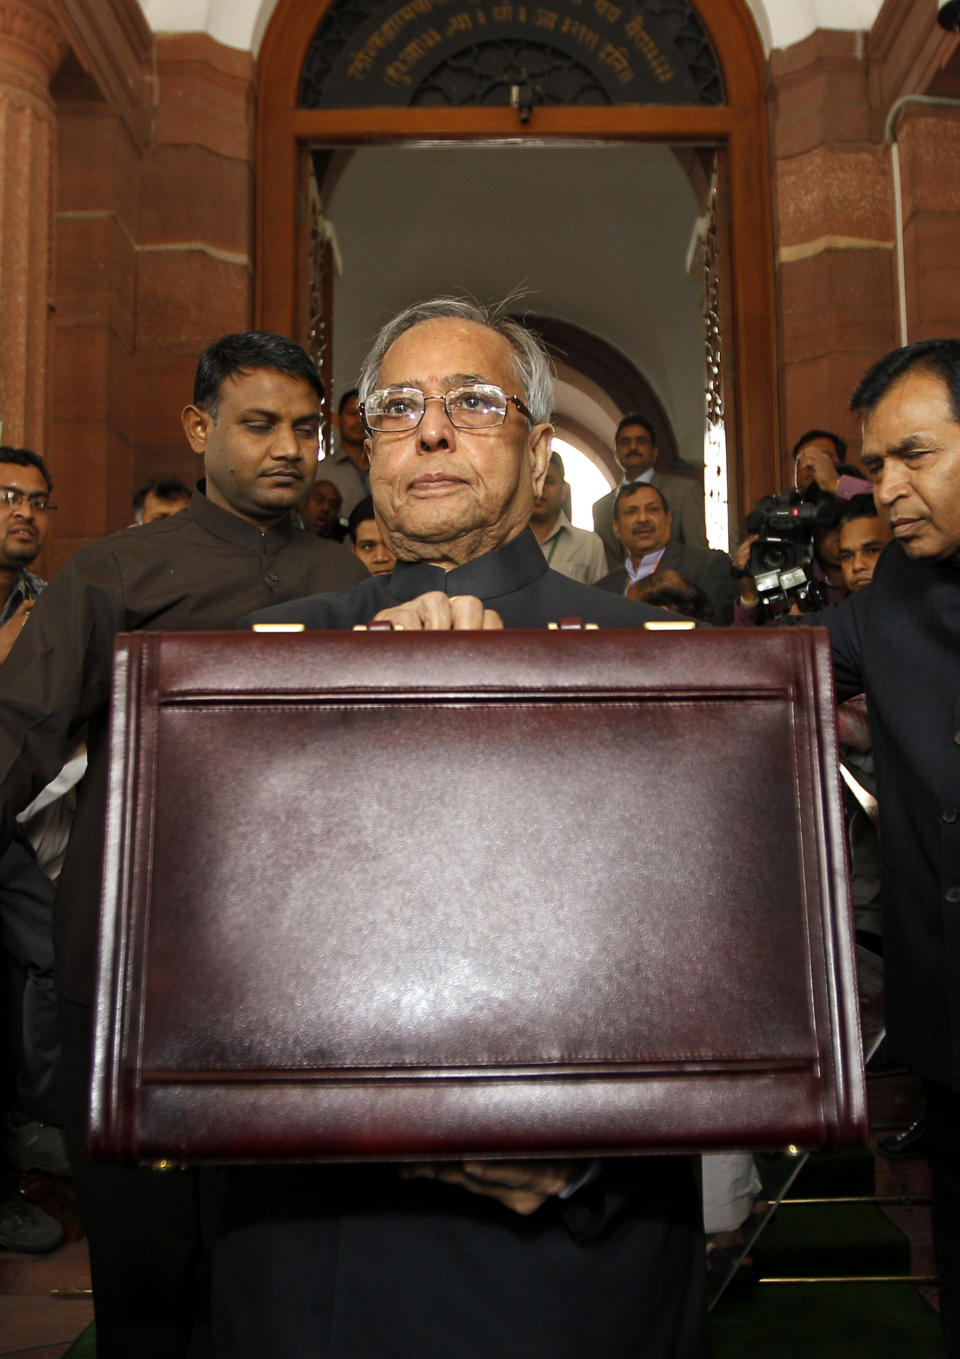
949, 814
953, 895
273, 579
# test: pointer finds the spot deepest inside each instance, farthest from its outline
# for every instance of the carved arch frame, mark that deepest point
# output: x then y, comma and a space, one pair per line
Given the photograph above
739, 127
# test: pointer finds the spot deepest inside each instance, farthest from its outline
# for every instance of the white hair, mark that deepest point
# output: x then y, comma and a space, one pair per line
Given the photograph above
530, 359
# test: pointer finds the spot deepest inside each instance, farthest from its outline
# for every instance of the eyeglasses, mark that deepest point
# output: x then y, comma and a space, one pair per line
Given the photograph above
11, 497
478, 406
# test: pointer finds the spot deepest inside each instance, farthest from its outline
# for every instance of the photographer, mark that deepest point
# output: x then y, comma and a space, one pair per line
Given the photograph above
819, 467
790, 560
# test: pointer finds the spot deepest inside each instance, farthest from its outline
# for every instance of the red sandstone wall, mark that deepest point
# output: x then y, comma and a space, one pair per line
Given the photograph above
834, 195
153, 249
834, 229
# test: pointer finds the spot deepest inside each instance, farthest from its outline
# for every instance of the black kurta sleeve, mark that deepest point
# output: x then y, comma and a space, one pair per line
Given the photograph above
56, 677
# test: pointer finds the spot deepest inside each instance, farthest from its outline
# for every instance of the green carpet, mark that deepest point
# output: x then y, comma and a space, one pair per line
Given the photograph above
831, 1239
828, 1321
841, 1171
85, 1345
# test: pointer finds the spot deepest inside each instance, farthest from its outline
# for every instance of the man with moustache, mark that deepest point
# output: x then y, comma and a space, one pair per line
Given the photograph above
899, 642
25, 488
522, 1260
254, 421
635, 449
319, 510
642, 522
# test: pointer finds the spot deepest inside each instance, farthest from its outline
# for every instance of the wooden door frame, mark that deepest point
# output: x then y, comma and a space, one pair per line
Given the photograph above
740, 126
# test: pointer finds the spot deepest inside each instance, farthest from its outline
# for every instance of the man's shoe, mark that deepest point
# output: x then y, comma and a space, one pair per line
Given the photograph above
24, 1226
905, 1145
35, 1146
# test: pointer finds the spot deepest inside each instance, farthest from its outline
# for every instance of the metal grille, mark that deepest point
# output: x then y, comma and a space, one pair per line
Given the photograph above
715, 479
321, 265
470, 72
482, 75
341, 21
693, 41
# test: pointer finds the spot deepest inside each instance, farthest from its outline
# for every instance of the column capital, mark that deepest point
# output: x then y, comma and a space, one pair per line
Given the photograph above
32, 45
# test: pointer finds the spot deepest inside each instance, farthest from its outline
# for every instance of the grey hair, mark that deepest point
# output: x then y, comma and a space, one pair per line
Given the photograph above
530, 359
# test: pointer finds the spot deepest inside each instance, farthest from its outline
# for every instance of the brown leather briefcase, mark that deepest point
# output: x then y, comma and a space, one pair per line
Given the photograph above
390, 896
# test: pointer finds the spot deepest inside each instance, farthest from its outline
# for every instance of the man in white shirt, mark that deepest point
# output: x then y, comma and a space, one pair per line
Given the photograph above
571, 551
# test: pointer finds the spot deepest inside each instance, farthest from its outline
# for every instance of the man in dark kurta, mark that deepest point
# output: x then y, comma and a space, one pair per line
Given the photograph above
521, 1260
898, 640
254, 420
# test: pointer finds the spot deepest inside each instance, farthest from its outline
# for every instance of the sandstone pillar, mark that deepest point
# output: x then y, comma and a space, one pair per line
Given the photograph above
31, 47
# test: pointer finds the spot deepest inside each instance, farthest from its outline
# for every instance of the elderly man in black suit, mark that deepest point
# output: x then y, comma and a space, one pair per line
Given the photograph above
538, 1259
641, 522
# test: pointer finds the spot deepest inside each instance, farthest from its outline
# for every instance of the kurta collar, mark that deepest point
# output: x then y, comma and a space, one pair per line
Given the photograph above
232, 529
512, 566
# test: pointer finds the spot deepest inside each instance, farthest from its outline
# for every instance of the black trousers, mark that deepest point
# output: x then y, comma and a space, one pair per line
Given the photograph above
943, 1153
26, 934
354, 1263
146, 1231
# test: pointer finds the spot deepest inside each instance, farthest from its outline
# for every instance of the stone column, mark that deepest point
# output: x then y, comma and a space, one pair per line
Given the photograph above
31, 48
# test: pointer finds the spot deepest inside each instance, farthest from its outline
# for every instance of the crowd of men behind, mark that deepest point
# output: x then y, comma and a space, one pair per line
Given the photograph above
354, 536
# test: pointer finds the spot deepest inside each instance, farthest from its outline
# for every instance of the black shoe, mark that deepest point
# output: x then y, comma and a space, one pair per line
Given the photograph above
25, 1227
905, 1145
35, 1146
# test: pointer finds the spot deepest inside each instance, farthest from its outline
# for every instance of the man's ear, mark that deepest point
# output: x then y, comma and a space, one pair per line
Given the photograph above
540, 440
196, 424
616, 528
367, 446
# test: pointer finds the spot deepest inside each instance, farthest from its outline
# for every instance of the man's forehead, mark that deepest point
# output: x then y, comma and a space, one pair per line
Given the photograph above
447, 349
825, 446
908, 412
634, 432
649, 497
863, 528
13, 474
252, 386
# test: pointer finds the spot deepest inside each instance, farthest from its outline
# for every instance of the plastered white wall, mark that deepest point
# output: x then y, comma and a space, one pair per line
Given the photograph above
242, 23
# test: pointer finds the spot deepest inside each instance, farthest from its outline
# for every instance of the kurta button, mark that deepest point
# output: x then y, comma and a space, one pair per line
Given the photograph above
273, 579
953, 895
949, 814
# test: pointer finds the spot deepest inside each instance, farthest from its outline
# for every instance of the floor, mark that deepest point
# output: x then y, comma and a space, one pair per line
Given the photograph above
45, 1299
44, 1304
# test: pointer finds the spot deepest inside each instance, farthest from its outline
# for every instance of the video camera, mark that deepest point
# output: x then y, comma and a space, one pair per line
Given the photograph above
783, 552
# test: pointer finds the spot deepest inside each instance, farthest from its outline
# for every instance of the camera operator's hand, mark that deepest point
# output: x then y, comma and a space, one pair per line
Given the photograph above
815, 464
748, 591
